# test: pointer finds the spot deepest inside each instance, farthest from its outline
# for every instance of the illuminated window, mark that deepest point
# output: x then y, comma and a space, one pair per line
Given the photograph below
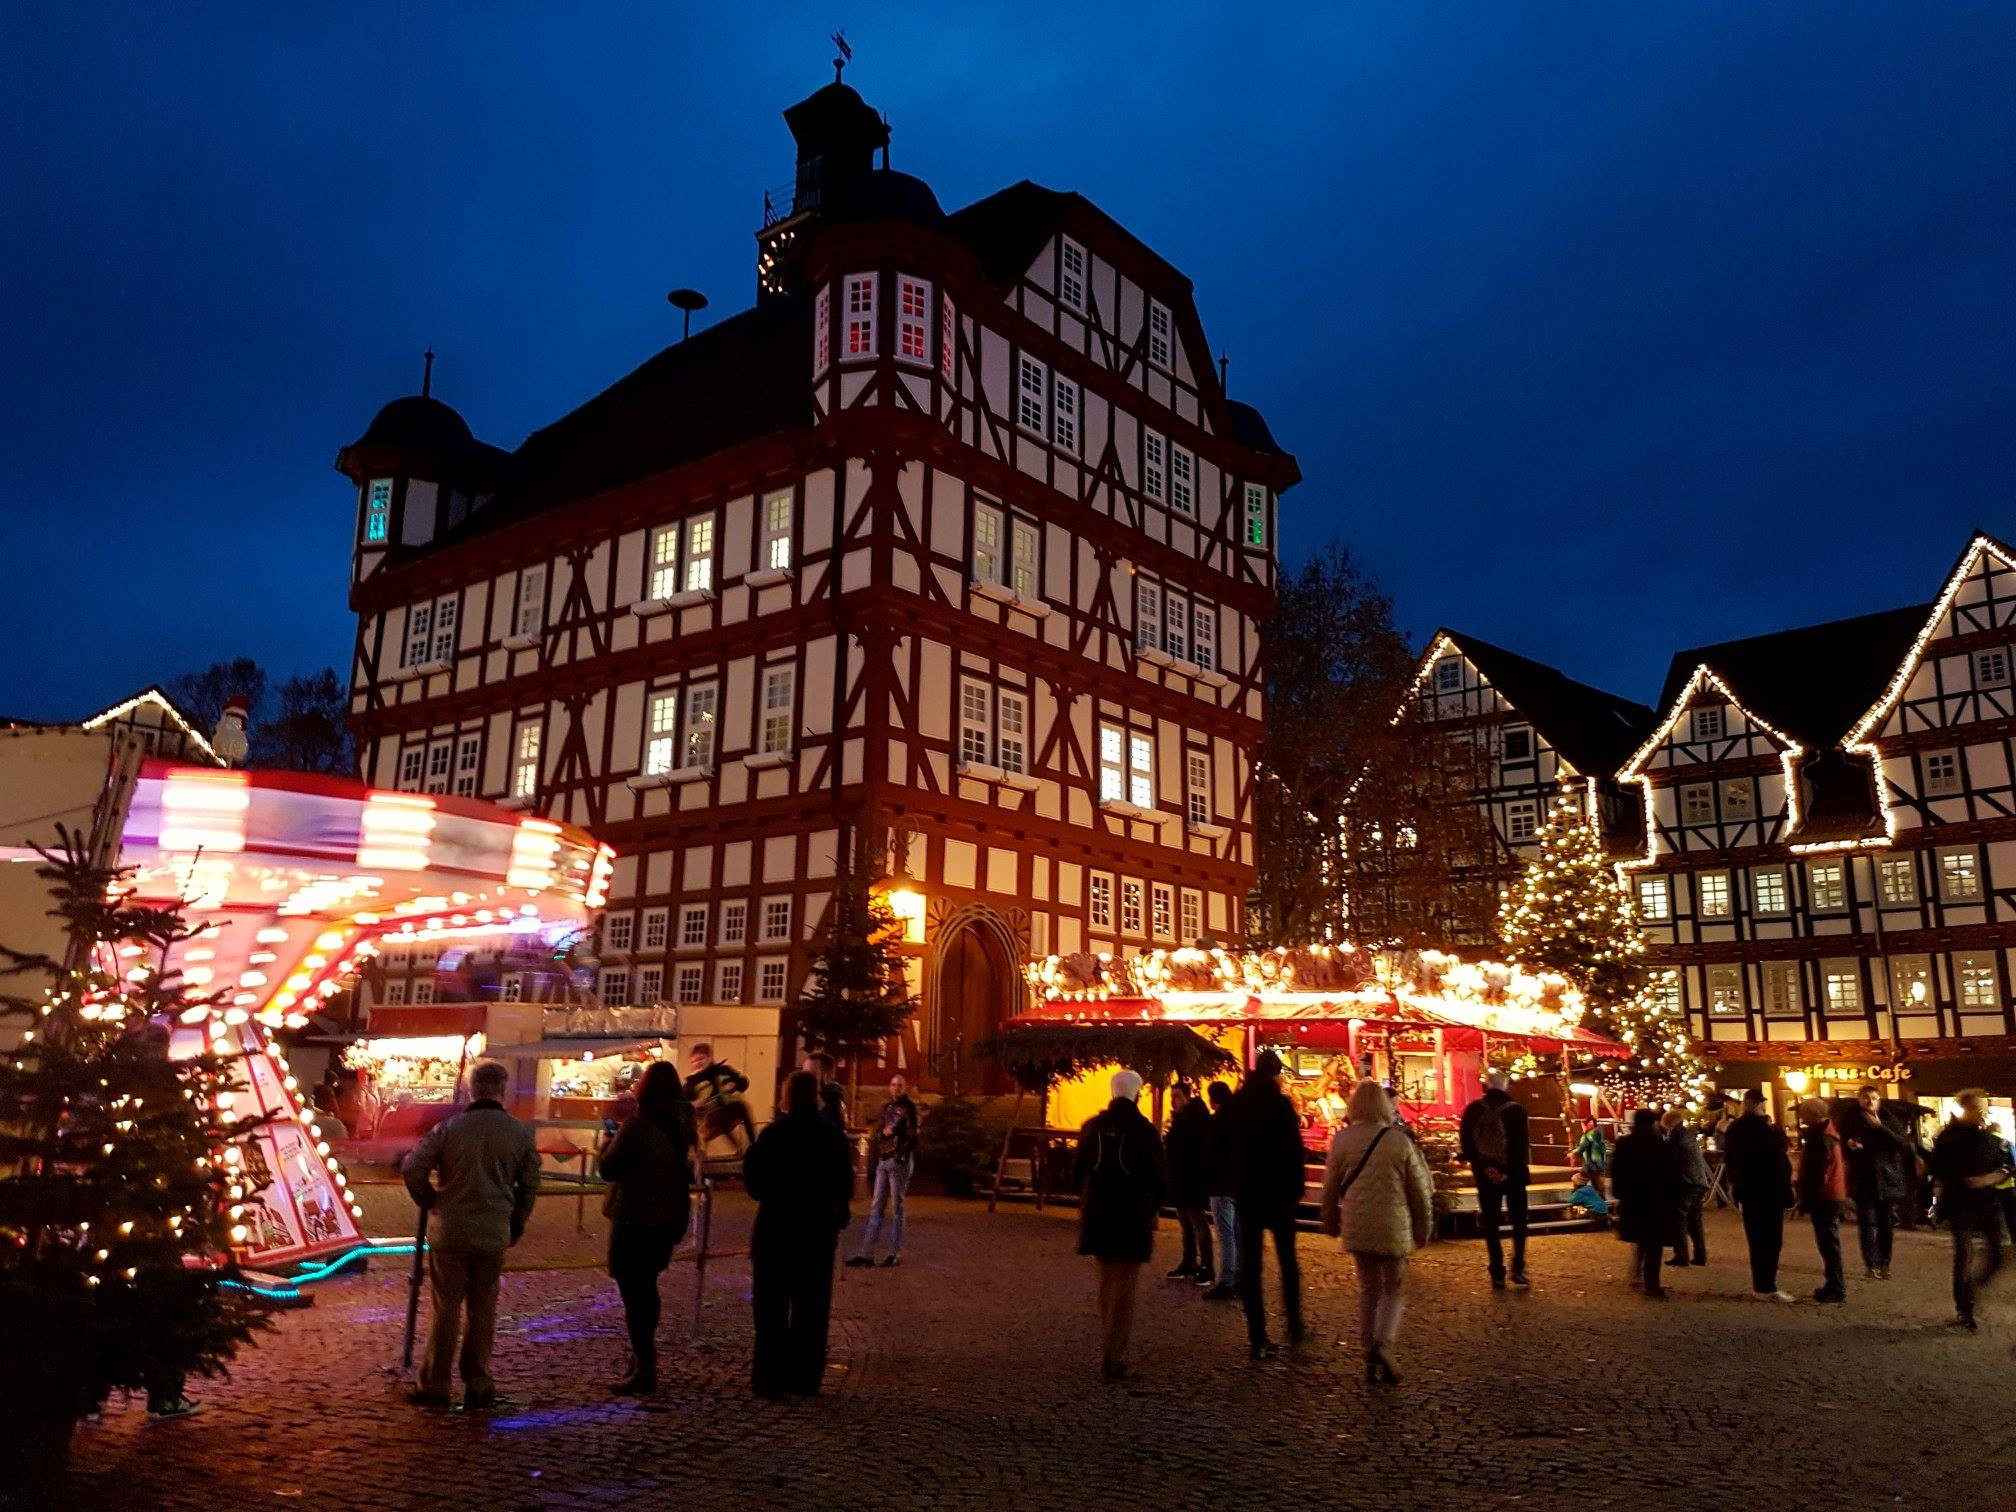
776, 919
1162, 910
1991, 668
1781, 989
1942, 772
1154, 465
1182, 481
615, 987
777, 530
693, 924
650, 984
1176, 620
1767, 889
378, 510
986, 563
948, 334
1828, 885
1030, 410
468, 763
1666, 992
779, 689
1653, 900
1898, 878
860, 295
728, 982
1191, 910
1204, 634
1130, 906
654, 928
1911, 983
618, 929
1959, 876
699, 742
661, 725
1140, 770
734, 923
1112, 763
1012, 747
1739, 799
1071, 275
1708, 722
1022, 544
1711, 891
975, 722
771, 977
1147, 614
1197, 786
1841, 986
1158, 335
700, 554
1102, 901
1725, 991
1697, 803
822, 329
913, 319
1064, 414
665, 562
691, 975
1256, 515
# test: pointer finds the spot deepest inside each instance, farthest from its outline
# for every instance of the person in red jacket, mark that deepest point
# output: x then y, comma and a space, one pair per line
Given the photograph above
1823, 1191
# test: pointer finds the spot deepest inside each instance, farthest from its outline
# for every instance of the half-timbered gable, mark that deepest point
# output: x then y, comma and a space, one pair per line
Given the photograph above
953, 539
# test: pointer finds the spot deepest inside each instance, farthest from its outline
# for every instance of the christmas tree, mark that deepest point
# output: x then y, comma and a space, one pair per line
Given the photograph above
857, 994
1567, 913
125, 1179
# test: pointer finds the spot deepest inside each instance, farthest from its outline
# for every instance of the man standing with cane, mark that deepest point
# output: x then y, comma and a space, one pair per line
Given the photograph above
485, 1171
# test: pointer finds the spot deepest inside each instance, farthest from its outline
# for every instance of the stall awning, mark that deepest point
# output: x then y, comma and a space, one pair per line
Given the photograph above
576, 1048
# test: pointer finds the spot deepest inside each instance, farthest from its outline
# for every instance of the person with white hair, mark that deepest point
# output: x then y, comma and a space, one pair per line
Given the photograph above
1499, 1150
477, 1174
1121, 1182
1379, 1200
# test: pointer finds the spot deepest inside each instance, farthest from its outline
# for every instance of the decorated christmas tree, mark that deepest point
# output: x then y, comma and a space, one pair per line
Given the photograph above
857, 994
1568, 913
123, 1175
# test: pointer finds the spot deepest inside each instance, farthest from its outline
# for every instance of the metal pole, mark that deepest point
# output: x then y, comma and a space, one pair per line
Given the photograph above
705, 1227
413, 1292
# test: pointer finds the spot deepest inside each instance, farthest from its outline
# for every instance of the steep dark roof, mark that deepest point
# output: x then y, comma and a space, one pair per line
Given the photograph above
1594, 730
1812, 682
1249, 429
419, 421
1007, 229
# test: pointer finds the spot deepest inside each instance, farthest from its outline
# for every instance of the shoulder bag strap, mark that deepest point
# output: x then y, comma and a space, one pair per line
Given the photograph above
1384, 1130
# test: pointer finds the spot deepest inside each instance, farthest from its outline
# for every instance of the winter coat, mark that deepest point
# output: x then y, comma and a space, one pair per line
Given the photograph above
648, 1166
1758, 1158
1688, 1159
1389, 1209
1645, 1186
1881, 1161
1189, 1148
1960, 1151
1121, 1184
1518, 1162
1823, 1167
489, 1171
1268, 1171
801, 1173
1218, 1162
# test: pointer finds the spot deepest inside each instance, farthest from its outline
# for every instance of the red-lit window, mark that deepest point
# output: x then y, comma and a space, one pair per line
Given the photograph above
861, 315
913, 320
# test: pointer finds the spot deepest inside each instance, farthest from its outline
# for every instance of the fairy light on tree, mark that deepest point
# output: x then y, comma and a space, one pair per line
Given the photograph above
1567, 913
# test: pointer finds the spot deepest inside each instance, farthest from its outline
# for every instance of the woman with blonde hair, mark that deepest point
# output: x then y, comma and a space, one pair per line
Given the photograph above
1379, 1199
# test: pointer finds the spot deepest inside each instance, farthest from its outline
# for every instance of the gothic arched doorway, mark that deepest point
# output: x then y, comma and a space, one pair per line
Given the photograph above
974, 988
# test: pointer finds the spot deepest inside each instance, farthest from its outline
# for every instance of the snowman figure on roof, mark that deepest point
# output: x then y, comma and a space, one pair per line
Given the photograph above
229, 740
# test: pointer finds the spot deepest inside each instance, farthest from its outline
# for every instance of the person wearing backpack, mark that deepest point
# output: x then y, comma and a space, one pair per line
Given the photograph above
1823, 1191
1379, 1200
1121, 1183
1496, 1145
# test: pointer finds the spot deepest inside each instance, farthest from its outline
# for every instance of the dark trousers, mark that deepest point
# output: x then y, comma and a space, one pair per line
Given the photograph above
792, 1295
638, 1255
1969, 1224
1196, 1226
1692, 1235
1496, 1200
1764, 1233
1826, 1217
1255, 1224
1873, 1226
1650, 1256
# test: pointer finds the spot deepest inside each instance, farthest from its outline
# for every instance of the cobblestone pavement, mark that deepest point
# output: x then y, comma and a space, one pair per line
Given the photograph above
965, 1377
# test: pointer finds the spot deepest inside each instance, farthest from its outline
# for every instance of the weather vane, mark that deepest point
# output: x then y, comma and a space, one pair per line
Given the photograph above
846, 55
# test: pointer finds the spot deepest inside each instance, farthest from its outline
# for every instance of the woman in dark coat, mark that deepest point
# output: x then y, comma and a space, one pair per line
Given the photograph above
1189, 1150
1645, 1194
1121, 1181
801, 1173
648, 1166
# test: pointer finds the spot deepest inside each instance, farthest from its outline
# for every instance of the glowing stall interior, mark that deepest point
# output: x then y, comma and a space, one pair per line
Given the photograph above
297, 880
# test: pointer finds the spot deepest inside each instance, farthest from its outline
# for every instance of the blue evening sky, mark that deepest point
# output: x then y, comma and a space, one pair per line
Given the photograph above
1599, 329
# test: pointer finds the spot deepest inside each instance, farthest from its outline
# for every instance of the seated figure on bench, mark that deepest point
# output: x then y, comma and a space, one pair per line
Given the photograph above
719, 1107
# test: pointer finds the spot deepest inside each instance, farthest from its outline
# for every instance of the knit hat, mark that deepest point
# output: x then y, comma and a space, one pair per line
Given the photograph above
1127, 1084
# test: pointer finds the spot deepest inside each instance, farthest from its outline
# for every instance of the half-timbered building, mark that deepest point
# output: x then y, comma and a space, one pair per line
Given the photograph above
953, 540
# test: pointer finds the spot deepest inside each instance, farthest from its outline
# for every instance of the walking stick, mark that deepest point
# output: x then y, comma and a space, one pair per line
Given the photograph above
413, 1293
705, 1225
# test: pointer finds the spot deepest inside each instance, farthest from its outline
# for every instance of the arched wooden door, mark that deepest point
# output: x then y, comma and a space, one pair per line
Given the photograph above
975, 983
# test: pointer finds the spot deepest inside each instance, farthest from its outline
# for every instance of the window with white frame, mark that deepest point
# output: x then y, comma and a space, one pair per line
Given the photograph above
1064, 414
1071, 274
780, 685
987, 556
615, 987
1140, 770
531, 616
1782, 998
1654, 902
440, 757
1176, 626
777, 530
1197, 786
1910, 983
1011, 747
1897, 878
395, 993
698, 747
1666, 992
1022, 544
691, 979
664, 562
1162, 910
699, 553
1449, 675
378, 510
976, 720
618, 929
1204, 634
913, 319
728, 982
771, 976
1130, 905
1101, 913
1154, 466
1739, 799
1697, 803
1827, 885
654, 932
445, 615
1959, 876
734, 922
1841, 986
1191, 916
1159, 328
1031, 412
776, 920
822, 329
1256, 515
525, 761
1182, 481
423, 990
1725, 991
412, 767
661, 725
1942, 773
948, 335
1708, 722
1767, 889
468, 765
1147, 614
1711, 895
419, 635
692, 925
1991, 668
1522, 820
860, 330
1112, 763
650, 985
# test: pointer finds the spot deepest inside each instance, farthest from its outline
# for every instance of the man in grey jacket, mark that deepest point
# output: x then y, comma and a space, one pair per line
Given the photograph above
485, 1174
